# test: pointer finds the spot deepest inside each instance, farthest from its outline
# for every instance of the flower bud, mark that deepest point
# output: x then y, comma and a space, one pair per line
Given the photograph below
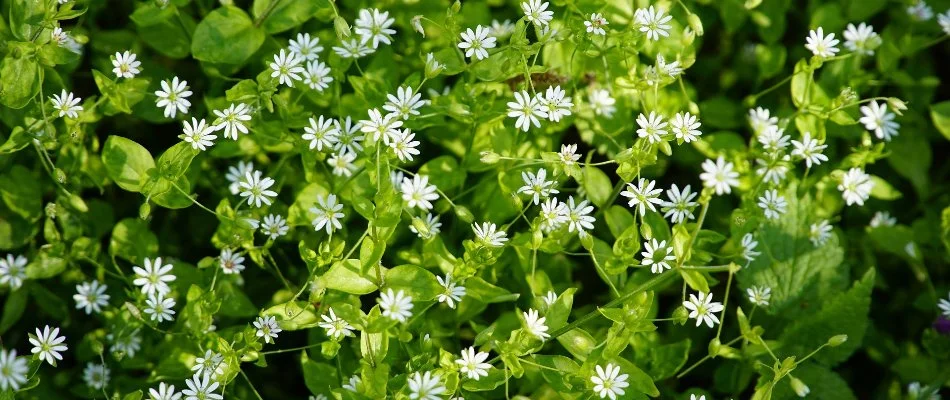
800, 388
416, 23
490, 157
897, 105
464, 214
342, 28
695, 24
837, 340
145, 210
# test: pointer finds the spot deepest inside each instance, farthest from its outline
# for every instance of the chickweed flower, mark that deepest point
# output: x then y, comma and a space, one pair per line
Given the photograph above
328, 214
596, 24
876, 119
352, 48
759, 295
601, 102
761, 120
861, 39
12, 271
703, 309
527, 109
882, 218
748, 247
159, 308
578, 216
855, 187
125, 65
773, 204
336, 327
201, 387
396, 305
425, 386
210, 364
488, 234
652, 128
47, 345
657, 255
681, 204
199, 134
719, 176
232, 120
534, 324
609, 382
267, 328
173, 97
66, 104
91, 297
653, 22
431, 225
920, 11
404, 146
306, 47
686, 127
809, 150
256, 190
821, 45
374, 26
452, 292
154, 277
537, 185
321, 133
95, 375
164, 392
536, 11
405, 103
819, 233
274, 226
317, 76
230, 261
476, 43
555, 105
286, 68
417, 192
236, 173
643, 196
473, 364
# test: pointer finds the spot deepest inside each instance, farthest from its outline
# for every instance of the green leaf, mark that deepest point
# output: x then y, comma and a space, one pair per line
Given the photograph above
940, 114
618, 220
639, 380
284, 15
20, 191
667, 359
294, 315
846, 313
578, 342
800, 82
794, 268
48, 263
478, 289
444, 173
20, 79
133, 241
345, 277
18, 140
559, 368
176, 160
822, 382
127, 163
597, 185
164, 29
13, 307
417, 282
883, 189
226, 36
319, 377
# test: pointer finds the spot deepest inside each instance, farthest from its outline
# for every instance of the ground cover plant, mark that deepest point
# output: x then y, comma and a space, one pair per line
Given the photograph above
570, 199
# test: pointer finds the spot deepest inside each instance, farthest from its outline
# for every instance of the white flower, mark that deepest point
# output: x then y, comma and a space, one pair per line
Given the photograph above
433, 66
95, 375
349, 137
653, 22
425, 387
352, 49
317, 76
321, 133
920, 11
609, 382
719, 175
66, 104
164, 392
404, 103
154, 277
452, 293
256, 189
819, 233
306, 47
759, 295
703, 309
473, 364
549, 298
681, 204
944, 21
761, 120
652, 128
809, 150
159, 308
799, 387
267, 328
596, 24
91, 296
47, 344
230, 262
555, 105
672, 69
210, 364
396, 305
882, 218
657, 255
537, 185
125, 65
13, 271
694, 397
944, 306
336, 327
13, 370
773, 139
354, 383
748, 247
534, 324
404, 146
855, 186
686, 127
199, 134
878, 120
417, 192
569, 154
578, 217
286, 67
772, 171
342, 164
821, 45
274, 226
772, 204
128, 344
201, 387
643, 195
328, 214
861, 39
527, 109
502, 29
235, 174
174, 97
432, 227
382, 127
915, 390
59, 36
487, 233
553, 214
476, 43
374, 25
601, 102
232, 120
536, 11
